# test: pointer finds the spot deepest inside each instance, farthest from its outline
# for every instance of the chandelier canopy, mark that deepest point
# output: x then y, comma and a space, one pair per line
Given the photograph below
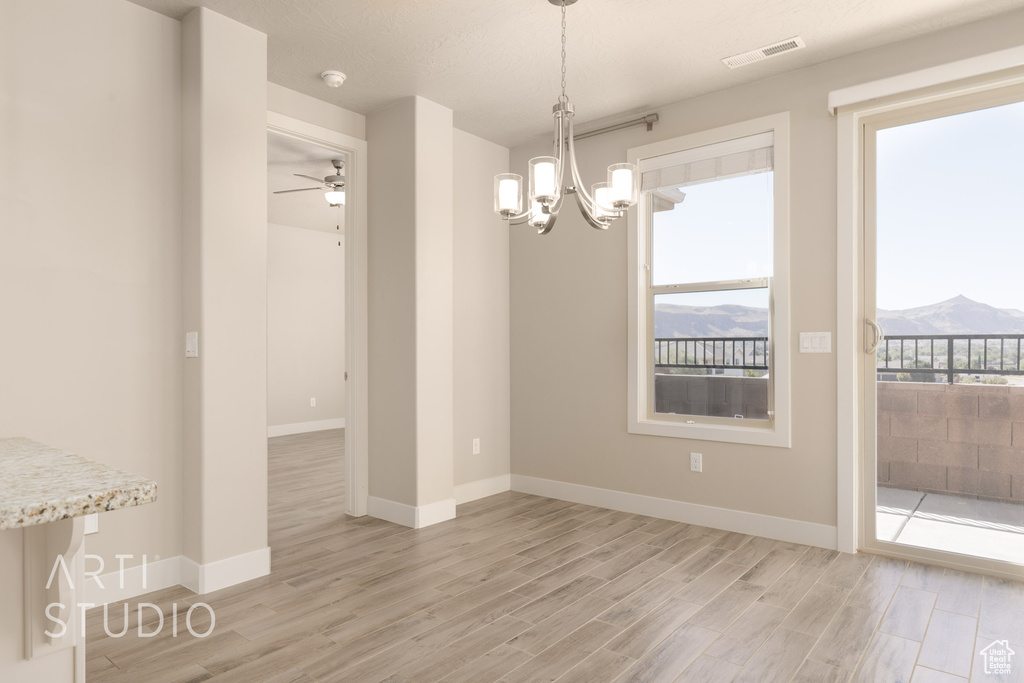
605, 202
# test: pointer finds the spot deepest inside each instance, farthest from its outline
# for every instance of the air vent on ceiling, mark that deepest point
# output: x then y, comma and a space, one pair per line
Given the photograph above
764, 52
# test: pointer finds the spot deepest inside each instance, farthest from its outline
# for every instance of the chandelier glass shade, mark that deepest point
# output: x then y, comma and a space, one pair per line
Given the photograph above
547, 187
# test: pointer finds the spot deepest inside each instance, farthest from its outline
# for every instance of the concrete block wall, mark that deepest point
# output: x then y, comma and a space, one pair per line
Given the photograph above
959, 438
715, 395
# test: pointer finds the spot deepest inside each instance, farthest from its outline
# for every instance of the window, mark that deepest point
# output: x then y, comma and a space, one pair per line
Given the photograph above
708, 296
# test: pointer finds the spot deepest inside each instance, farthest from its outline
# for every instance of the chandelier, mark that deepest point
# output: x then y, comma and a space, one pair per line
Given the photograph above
605, 202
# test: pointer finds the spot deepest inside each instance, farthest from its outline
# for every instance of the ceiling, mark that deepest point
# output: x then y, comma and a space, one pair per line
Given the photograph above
495, 63
285, 157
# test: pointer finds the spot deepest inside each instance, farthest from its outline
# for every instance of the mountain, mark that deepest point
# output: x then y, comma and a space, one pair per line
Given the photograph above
958, 315
672, 320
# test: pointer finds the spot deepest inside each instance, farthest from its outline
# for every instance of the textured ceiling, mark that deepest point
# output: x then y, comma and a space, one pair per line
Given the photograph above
495, 63
310, 210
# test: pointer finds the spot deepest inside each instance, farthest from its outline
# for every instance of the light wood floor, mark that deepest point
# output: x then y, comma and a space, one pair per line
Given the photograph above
523, 588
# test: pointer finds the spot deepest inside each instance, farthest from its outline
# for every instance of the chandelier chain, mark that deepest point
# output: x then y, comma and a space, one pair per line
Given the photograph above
564, 98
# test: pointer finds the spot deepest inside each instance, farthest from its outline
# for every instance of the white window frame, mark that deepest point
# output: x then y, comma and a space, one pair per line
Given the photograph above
641, 417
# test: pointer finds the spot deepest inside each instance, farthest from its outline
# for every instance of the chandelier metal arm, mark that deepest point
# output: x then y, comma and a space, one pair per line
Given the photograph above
593, 221
582, 196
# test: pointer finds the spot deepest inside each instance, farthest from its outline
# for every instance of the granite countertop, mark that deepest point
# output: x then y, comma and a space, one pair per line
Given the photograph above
40, 483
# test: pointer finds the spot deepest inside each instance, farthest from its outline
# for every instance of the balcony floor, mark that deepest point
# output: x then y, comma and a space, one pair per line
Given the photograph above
957, 524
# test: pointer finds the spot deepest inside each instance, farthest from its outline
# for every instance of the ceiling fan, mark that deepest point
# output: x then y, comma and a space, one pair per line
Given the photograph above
333, 184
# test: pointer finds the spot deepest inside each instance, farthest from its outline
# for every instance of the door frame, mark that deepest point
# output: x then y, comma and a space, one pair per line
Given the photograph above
854, 453
356, 306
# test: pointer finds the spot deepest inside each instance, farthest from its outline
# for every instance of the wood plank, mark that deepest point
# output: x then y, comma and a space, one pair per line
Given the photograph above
792, 586
640, 602
490, 667
817, 672
706, 669
565, 654
908, 613
814, 612
560, 624
650, 630
846, 638
888, 658
960, 593
847, 568
728, 606
671, 656
603, 665
741, 640
949, 644
778, 659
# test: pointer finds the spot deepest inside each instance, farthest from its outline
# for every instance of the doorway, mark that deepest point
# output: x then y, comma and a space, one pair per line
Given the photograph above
942, 461
345, 231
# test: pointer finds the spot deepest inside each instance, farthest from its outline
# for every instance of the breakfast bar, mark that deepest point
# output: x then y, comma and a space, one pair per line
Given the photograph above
45, 494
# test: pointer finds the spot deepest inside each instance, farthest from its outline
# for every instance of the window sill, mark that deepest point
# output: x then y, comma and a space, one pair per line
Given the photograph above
757, 436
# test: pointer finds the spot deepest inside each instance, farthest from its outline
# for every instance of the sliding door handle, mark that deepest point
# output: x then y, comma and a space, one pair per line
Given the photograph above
877, 337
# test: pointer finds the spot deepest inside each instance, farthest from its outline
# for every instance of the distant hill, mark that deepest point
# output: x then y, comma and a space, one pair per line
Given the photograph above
671, 320
959, 315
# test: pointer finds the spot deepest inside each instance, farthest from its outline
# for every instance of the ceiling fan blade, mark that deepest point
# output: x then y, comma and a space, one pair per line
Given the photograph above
301, 189
308, 177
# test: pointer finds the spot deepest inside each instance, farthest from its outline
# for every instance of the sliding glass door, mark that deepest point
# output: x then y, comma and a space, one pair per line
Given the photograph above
944, 321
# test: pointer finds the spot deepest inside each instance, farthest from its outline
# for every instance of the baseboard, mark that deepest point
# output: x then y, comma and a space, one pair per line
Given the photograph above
481, 488
434, 513
408, 515
779, 528
206, 578
303, 427
134, 581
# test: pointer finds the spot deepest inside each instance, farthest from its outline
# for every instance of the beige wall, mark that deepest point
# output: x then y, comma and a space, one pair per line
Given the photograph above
481, 320
392, 305
90, 252
410, 302
311, 110
568, 309
433, 159
224, 131
305, 325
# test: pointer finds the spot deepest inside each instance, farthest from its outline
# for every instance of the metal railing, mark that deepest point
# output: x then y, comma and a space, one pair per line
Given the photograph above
951, 355
737, 353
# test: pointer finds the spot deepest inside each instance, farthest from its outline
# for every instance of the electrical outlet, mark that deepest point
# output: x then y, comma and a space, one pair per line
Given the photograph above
476, 446
312, 402
696, 462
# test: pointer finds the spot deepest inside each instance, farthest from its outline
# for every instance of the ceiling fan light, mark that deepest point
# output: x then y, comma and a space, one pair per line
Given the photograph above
335, 197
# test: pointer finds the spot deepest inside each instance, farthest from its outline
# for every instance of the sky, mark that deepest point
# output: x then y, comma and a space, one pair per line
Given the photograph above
721, 231
951, 210
950, 219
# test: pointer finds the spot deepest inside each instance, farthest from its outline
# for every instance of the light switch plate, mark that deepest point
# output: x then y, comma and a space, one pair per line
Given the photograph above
815, 342
191, 345
92, 523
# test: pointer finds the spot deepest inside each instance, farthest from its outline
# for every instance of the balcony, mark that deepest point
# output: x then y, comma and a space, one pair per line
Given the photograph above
718, 377
950, 429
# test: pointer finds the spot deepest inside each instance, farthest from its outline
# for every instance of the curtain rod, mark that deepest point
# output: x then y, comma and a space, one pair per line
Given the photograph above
648, 120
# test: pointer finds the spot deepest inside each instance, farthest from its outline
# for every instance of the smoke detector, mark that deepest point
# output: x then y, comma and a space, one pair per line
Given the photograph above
765, 52
333, 79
